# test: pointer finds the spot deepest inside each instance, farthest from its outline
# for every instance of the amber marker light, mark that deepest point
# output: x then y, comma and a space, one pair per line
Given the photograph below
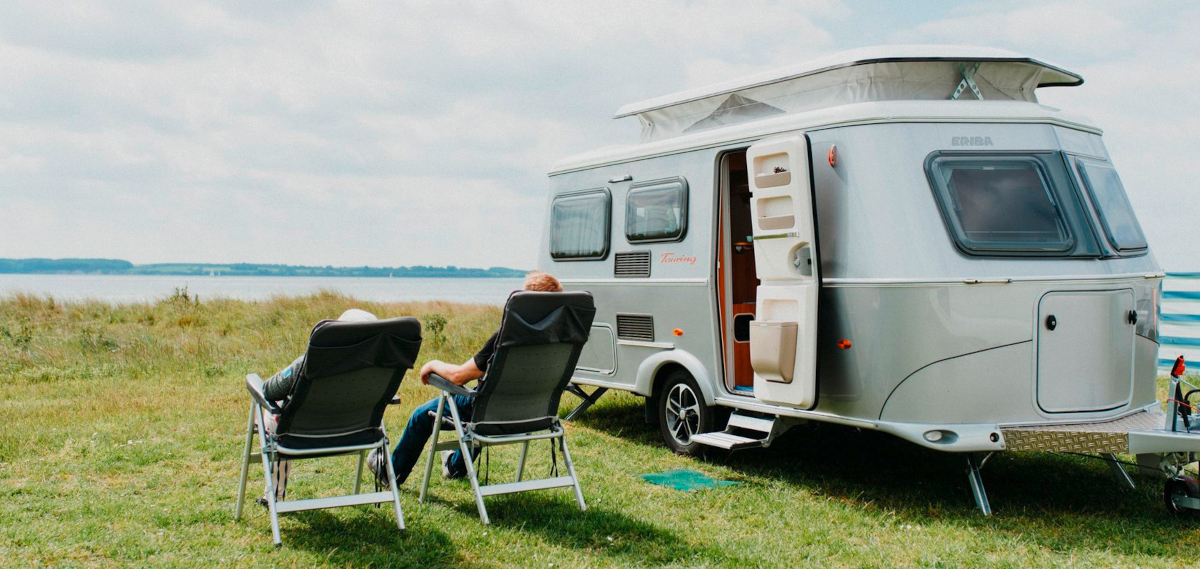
844, 344
833, 161
677, 332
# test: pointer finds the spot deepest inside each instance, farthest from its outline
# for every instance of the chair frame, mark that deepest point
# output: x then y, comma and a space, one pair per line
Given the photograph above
271, 452
466, 437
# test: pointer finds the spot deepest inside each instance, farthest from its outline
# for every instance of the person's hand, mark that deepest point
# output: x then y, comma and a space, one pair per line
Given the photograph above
426, 370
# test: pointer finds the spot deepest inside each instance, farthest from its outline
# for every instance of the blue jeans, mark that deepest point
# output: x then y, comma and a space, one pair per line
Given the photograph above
420, 426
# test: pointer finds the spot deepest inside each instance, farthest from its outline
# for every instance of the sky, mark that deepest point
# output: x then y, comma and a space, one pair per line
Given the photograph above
420, 133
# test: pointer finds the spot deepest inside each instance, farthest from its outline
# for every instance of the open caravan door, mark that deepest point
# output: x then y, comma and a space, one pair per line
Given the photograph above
783, 337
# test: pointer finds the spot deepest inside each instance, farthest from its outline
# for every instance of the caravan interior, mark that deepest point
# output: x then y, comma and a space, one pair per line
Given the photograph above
900, 239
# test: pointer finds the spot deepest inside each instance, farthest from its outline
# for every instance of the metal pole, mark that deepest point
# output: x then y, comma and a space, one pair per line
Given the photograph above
269, 458
571, 469
1115, 465
433, 442
362, 459
462, 444
391, 472
974, 464
241, 496
521, 463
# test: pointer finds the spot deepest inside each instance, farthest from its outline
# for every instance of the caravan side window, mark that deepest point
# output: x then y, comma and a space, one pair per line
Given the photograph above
656, 211
579, 225
1000, 204
1112, 205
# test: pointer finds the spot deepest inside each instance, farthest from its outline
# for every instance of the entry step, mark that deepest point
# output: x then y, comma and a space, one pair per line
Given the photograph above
734, 436
726, 441
752, 423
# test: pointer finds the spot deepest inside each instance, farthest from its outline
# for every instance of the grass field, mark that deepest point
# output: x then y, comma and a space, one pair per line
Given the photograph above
121, 430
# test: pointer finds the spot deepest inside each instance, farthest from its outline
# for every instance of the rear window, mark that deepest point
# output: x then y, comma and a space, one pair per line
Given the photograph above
1112, 205
579, 225
999, 204
656, 211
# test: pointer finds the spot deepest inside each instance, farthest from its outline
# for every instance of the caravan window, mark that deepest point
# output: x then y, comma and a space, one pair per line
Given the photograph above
656, 211
999, 204
579, 225
1112, 205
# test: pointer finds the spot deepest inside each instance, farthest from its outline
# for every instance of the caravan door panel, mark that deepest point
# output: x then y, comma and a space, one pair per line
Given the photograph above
783, 337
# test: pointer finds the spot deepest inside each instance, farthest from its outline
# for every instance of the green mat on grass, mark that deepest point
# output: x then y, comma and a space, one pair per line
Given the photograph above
686, 480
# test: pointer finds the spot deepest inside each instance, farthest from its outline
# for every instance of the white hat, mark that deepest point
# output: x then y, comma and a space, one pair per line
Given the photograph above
356, 315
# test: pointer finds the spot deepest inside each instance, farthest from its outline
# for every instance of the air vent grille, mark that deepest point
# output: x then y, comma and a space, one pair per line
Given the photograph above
632, 265
635, 327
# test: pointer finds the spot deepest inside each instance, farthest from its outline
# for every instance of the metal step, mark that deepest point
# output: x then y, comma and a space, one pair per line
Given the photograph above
752, 423
726, 441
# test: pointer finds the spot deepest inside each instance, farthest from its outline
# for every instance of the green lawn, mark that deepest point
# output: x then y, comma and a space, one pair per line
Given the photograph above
122, 430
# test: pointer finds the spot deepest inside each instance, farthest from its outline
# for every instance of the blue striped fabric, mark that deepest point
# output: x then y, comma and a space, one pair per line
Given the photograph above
1180, 318
1172, 341
1184, 275
1181, 295
1168, 362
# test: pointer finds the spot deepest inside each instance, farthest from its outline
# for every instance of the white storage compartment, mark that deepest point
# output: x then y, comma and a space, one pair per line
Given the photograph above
773, 350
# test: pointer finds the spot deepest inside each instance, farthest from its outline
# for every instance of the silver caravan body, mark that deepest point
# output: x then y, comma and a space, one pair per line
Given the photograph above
876, 300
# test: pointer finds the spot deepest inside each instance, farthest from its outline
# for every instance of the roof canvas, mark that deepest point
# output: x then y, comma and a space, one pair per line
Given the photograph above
889, 73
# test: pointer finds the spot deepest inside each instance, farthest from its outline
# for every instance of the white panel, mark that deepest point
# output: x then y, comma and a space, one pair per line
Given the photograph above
1086, 362
781, 206
599, 353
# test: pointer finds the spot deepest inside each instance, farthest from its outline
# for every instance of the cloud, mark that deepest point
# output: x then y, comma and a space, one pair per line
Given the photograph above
1073, 27
332, 133
419, 132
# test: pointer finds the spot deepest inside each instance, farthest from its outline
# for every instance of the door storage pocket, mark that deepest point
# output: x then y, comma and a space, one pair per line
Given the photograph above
773, 349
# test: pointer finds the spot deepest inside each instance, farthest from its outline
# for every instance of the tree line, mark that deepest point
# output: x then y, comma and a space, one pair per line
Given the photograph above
120, 267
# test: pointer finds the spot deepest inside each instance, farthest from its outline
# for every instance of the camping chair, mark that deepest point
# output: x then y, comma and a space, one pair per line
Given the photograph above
350, 374
541, 336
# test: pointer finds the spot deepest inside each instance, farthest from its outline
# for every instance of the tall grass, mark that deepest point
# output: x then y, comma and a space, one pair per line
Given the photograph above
121, 426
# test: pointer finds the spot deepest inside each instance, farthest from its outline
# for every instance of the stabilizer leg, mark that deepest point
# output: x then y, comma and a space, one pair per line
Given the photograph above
1115, 465
974, 465
588, 400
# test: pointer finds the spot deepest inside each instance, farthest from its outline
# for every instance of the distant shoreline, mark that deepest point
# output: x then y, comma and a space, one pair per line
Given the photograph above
121, 267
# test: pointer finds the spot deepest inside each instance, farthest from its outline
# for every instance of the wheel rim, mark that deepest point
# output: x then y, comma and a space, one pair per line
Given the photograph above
683, 414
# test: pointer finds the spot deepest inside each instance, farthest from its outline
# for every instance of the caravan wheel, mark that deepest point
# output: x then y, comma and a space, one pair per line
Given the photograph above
682, 413
1184, 487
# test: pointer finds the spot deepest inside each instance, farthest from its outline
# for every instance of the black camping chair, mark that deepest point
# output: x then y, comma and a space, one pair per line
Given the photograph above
350, 374
541, 336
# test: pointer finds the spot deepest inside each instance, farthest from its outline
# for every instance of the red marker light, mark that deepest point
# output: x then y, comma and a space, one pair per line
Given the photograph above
832, 155
844, 344
678, 332
1179, 368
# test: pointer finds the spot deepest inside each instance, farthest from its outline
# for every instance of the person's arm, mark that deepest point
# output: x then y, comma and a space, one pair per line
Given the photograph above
279, 387
457, 374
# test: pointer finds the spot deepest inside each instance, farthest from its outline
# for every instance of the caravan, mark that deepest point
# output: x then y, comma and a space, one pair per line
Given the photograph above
900, 239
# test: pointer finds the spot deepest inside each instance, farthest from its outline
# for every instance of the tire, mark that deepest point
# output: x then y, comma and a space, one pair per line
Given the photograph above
1183, 486
682, 413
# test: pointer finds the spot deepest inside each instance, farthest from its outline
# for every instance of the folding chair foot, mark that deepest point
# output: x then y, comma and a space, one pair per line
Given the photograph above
391, 472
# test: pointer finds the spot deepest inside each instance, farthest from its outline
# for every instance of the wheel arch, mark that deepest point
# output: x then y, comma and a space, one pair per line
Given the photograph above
655, 367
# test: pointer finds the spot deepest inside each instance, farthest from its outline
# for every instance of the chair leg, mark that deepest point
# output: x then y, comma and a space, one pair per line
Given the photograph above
241, 495
362, 459
466, 452
391, 472
562, 441
433, 442
268, 461
521, 463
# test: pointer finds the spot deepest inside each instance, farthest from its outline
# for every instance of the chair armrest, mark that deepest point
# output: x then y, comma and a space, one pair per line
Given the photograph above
448, 386
254, 384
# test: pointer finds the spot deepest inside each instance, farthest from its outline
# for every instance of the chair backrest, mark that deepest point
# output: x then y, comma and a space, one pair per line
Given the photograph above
351, 371
541, 336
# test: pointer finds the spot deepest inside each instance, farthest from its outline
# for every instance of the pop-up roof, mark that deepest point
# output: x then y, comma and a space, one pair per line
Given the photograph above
884, 73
